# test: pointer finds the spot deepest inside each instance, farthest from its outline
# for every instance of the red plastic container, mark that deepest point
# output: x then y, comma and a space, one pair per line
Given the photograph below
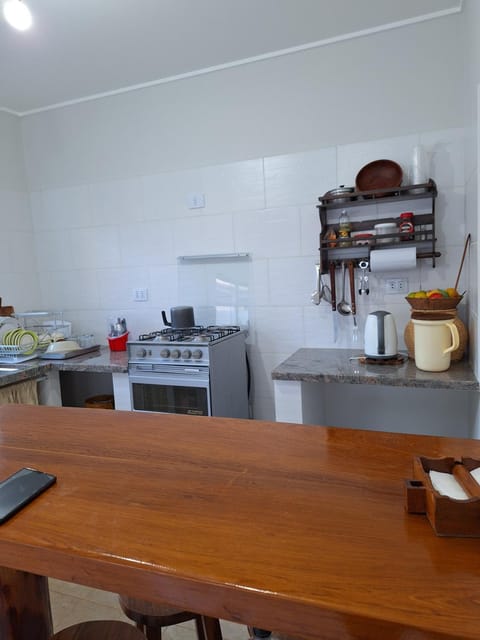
118, 343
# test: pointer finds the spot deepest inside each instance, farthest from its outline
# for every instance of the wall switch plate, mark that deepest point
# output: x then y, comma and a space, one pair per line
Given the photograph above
396, 285
140, 294
196, 200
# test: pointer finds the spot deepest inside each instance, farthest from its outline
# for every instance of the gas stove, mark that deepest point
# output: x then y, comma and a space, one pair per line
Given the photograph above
196, 371
192, 345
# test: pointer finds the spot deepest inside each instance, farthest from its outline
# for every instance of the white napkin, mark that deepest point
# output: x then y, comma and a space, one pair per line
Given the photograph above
476, 474
447, 485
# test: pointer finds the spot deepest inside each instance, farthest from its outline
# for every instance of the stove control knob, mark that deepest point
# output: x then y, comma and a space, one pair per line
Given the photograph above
141, 353
197, 354
175, 353
165, 353
186, 354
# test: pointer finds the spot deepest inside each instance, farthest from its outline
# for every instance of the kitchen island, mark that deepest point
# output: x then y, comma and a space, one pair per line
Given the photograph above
276, 525
337, 387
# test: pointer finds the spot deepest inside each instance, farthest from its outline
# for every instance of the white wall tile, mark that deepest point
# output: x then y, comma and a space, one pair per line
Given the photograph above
146, 243
15, 212
268, 232
352, 157
115, 287
53, 250
203, 235
278, 330
447, 150
291, 281
299, 178
97, 248
116, 202
70, 290
67, 208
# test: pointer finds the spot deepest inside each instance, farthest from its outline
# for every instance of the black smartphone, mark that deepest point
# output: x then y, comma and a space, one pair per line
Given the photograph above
20, 488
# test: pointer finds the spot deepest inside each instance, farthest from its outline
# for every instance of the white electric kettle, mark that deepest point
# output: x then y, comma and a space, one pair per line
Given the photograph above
380, 335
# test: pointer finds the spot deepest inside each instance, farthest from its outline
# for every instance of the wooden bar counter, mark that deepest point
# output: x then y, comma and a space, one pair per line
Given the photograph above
290, 527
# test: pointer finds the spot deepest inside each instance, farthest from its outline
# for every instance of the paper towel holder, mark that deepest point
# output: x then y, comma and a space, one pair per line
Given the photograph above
448, 516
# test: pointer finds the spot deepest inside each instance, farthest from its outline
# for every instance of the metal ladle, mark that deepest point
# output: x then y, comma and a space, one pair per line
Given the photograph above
343, 307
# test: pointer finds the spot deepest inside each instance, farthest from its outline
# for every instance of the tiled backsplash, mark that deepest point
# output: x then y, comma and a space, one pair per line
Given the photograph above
95, 243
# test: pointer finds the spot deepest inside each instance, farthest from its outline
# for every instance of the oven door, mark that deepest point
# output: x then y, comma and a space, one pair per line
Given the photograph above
183, 390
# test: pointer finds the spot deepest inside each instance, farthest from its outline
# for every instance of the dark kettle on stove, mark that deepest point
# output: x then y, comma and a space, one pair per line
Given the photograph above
180, 318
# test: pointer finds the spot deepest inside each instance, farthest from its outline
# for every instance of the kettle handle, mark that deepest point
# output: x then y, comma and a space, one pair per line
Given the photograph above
165, 321
455, 337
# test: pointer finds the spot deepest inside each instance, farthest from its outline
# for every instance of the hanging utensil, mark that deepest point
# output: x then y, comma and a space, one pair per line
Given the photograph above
363, 264
315, 297
343, 306
463, 259
351, 276
331, 268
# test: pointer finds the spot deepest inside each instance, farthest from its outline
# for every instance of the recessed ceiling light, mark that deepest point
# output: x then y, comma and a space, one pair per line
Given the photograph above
17, 14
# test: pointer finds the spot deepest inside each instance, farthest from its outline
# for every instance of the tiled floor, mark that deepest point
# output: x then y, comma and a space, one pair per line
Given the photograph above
72, 603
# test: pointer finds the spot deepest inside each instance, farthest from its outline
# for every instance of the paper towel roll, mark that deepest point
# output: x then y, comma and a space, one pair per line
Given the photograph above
393, 259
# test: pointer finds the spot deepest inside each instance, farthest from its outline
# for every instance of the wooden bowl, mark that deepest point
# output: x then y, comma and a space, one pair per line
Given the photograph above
380, 174
435, 304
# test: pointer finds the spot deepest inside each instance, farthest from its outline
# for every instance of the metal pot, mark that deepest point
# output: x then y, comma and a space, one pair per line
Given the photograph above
336, 194
181, 318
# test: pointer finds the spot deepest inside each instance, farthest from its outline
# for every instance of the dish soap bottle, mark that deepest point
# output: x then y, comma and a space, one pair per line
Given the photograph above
344, 229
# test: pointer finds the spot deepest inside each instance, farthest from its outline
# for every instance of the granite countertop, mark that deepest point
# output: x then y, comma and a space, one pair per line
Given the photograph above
344, 366
101, 361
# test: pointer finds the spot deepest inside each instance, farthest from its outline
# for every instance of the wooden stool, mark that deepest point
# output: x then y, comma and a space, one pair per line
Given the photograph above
151, 618
99, 630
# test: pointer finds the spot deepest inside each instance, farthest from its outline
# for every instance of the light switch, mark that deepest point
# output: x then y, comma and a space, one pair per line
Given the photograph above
196, 200
140, 294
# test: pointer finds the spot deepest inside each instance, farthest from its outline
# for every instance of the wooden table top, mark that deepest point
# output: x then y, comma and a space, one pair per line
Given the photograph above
288, 527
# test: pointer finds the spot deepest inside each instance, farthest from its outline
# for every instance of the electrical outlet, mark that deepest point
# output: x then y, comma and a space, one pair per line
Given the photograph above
140, 294
396, 285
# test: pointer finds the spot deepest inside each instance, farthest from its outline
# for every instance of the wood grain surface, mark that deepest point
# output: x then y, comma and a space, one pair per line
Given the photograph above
296, 528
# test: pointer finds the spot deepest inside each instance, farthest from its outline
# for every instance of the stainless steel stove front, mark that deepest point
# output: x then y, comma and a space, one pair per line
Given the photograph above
194, 377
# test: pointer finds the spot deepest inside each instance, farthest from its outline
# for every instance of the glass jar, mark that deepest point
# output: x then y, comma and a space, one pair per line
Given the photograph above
344, 228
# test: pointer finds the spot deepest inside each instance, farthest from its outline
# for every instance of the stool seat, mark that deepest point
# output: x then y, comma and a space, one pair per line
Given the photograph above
99, 630
149, 614
150, 618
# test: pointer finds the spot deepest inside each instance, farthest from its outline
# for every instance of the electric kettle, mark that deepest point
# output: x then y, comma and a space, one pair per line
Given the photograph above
380, 335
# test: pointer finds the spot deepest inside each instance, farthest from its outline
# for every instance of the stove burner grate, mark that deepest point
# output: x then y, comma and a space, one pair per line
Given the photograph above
209, 334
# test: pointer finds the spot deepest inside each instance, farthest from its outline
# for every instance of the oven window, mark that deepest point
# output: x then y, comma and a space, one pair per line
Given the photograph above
170, 399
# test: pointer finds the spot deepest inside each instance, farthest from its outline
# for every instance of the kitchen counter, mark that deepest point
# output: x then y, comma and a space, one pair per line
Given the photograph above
343, 365
102, 361
335, 387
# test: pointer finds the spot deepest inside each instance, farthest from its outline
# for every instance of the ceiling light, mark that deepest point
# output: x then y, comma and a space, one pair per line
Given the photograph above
17, 14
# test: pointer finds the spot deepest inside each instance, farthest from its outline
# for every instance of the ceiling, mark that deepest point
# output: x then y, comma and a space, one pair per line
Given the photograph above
78, 49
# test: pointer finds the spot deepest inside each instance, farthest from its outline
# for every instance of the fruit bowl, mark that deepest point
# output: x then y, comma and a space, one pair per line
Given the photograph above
434, 304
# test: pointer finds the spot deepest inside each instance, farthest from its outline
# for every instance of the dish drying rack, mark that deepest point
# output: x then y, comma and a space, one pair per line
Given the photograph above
44, 322
41, 322
14, 354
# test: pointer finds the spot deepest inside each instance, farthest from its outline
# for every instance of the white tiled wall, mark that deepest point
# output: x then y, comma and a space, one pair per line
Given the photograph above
95, 243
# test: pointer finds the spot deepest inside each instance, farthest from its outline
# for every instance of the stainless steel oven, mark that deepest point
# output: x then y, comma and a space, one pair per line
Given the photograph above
196, 371
170, 389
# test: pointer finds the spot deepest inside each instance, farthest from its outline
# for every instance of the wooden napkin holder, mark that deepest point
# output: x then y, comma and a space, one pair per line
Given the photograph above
448, 516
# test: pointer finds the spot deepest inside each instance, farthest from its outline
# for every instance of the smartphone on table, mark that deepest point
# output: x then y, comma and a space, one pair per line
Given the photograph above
20, 488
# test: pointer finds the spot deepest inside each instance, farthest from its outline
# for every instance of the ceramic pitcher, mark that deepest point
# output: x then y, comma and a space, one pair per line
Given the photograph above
434, 342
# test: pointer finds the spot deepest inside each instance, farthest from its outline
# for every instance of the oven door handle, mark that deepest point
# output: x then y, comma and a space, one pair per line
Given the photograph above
176, 380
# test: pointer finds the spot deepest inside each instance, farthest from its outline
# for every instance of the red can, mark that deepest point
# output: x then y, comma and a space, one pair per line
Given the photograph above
406, 226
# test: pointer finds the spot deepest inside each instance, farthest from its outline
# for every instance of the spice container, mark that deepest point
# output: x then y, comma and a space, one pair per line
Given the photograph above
344, 229
406, 226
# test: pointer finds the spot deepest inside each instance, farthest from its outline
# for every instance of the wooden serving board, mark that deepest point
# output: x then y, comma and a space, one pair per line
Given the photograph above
64, 355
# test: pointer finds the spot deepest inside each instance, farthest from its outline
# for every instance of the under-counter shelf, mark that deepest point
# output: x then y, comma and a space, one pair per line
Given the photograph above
339, 249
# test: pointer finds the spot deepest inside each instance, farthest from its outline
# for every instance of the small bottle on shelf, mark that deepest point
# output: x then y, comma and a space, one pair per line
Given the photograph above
344, 229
